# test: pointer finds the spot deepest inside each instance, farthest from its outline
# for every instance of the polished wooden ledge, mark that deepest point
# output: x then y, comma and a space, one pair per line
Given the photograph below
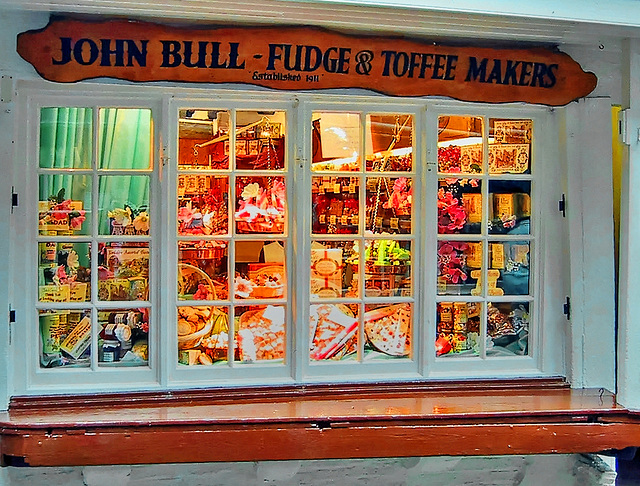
315, 423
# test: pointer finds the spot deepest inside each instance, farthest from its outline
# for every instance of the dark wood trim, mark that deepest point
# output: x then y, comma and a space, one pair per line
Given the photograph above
317, 422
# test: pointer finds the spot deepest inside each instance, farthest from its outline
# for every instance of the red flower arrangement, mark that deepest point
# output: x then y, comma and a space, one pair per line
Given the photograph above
451, 213
452, 261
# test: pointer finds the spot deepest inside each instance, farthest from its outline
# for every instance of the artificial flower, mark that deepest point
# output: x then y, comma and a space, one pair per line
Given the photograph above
243, 288
250, 191
141, 222
121, 216
72, 261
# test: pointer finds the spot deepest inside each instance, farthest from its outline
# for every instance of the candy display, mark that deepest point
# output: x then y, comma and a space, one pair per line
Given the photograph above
388, 329
261, 334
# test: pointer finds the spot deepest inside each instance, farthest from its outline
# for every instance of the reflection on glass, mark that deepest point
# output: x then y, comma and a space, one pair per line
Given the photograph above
66, 138
124, 205
261, 333
508, 328
260, 140
124, 138
459, 268
511, 259
259, 271
387, 268
202, 270
335, 141
388, 330
458, 328
203, 335
510, 207
389, 142
123, 272
203, 139
334, 269
65, 337
64, 272
333, 331
460, 148
203, 206
123, 337
64, 205
335, 205
459, 206
260, 205
389, 204
510, 146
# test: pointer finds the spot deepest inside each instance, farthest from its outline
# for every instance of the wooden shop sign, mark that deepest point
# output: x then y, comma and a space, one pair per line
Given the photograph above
300, 58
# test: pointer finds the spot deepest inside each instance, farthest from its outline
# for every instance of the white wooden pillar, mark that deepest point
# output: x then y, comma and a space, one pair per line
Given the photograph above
629, 274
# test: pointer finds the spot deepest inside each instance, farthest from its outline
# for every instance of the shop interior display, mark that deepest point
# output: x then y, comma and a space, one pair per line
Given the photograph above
494, 223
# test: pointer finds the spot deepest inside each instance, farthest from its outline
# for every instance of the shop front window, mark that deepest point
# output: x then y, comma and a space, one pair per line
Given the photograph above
285, 242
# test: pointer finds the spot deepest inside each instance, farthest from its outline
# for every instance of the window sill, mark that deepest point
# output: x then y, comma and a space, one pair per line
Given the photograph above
315, 422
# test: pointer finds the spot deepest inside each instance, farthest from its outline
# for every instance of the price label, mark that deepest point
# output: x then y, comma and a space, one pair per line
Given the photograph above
379, 221
344, 220
354, 219
322, 219
393, 222
337, 188
352, 188
333, 219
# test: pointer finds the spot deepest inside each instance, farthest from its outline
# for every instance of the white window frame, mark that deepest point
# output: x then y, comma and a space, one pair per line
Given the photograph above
547, 342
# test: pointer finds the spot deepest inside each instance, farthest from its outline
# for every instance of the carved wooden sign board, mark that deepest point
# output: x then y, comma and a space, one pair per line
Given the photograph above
300, 58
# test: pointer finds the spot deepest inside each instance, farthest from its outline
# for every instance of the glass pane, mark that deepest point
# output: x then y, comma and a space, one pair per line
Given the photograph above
124, 271
389, 142
388, 330
459, 206
66, 137
460, 147
335, 205
511, 259
458, 328
459, 268
333, 331
510, 146
203, 205
508, 328
260, 205
334, 269
203, 335
387, 268
124, 205
261, 333
64, 272
202, 270
510, 207
335, 141
389, 204
260, 140
124, 138
203, 139
65, 338
123, 338
64, 205
260, 271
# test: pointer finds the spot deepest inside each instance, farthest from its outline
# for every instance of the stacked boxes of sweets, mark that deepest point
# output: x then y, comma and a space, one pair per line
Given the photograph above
66, 337
509, 153
387, 265
458, 325
335, 203
126, 274
62, 274
123, 336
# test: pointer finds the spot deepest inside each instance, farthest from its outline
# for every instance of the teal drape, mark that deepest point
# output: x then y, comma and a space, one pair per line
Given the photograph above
124, 143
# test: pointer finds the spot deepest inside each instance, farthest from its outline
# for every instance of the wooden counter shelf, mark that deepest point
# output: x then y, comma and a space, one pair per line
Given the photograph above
315, 422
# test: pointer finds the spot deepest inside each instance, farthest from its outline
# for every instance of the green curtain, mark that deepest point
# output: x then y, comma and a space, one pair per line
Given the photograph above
124, 143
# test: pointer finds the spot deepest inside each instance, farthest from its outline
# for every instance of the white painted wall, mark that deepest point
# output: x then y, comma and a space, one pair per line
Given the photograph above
556, 470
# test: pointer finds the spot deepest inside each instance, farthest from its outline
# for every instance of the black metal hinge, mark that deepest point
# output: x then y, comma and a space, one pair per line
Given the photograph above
562, 206
566, 308
12, 315
14, 198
